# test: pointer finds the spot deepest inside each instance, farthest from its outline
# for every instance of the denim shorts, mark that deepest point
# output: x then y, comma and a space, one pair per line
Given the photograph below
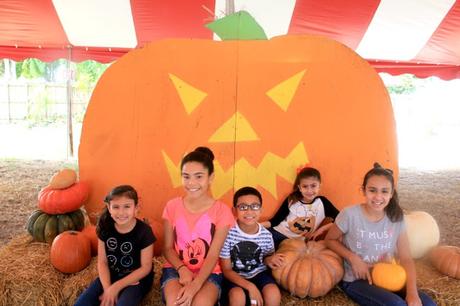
260, 280
171, 273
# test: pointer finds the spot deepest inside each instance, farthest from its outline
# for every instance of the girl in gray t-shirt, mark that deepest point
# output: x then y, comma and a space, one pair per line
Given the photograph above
370, 232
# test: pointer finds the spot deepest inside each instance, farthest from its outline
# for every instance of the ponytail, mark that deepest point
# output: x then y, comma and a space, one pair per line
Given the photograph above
105, 224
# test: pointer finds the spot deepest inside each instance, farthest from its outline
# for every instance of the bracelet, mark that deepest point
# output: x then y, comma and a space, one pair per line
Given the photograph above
181, 266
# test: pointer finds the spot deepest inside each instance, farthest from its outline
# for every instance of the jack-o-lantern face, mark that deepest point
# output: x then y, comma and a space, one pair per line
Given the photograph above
264, 108
302, 225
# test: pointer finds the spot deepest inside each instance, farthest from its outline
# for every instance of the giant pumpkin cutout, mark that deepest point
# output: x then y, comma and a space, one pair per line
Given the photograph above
264, 107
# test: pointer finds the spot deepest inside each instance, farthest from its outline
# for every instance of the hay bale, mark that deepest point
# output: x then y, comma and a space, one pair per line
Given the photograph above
333, 297
443, 289
76, 283
27, 276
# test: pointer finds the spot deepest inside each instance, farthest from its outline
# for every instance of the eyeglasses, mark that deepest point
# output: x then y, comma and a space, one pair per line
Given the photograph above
245, 207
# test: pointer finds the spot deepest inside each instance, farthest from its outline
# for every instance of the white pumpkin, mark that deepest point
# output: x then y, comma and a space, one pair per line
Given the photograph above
423, 232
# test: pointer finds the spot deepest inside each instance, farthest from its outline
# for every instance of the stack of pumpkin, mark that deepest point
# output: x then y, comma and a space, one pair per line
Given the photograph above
61, 222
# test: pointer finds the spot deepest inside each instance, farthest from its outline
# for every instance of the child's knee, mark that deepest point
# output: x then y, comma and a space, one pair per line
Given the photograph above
237, 294
271, 294
170, 292
207, 295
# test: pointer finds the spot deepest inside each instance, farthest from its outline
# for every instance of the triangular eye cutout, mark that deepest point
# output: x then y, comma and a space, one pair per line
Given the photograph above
190, 96
235, 129
283, 92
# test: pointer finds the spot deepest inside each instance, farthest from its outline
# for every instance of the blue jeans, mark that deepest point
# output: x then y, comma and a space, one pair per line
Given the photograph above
364, 294
129, 296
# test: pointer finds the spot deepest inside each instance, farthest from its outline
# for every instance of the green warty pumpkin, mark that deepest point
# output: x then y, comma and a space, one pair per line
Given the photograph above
44, 227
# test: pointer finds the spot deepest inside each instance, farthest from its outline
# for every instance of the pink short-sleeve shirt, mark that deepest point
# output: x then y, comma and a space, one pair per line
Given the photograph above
193, 233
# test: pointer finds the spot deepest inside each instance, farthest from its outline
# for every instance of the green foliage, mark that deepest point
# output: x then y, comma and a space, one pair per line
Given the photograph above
88, 73
39, 112
32, 68
92, 69
2, 67
406, 85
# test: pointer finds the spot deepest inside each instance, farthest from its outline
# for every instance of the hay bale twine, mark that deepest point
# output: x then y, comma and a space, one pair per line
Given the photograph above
26, 274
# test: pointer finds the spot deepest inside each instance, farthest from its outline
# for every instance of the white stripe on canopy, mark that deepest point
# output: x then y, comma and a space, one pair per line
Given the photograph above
400, 28
97, 23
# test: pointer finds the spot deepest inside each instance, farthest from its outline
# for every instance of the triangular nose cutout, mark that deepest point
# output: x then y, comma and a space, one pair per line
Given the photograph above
235, 129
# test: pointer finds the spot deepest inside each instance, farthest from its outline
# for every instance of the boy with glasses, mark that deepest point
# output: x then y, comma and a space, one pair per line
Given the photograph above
247, 251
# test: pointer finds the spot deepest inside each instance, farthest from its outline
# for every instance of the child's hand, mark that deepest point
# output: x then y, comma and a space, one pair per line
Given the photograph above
275, 261
413, 299
316, 234
360, 268
185, 276
110, 296
255, 295
186, 294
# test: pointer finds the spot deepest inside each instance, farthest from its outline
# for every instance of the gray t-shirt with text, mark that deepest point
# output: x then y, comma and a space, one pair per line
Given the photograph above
372, 241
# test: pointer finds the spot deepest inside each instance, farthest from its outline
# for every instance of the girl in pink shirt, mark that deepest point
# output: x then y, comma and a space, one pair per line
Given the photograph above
195, 227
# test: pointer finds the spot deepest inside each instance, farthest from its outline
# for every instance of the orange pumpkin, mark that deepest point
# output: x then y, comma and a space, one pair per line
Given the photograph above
390, 276
310, 269
446, 259
264, 108
70, 252
63, 179
61, 201
90, 233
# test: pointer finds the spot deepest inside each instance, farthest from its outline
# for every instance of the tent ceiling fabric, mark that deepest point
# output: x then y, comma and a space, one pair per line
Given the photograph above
410, 36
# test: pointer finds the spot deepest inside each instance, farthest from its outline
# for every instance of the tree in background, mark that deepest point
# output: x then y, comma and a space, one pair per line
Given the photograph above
405, 84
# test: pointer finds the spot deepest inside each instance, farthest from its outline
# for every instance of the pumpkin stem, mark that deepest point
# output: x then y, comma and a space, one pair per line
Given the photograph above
237, 26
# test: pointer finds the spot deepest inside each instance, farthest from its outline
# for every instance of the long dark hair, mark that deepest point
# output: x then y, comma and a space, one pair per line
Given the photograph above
201, 155
393, 211
306, 172
106, 224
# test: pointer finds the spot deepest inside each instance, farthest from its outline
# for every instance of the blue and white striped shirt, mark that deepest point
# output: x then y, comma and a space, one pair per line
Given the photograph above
247, 251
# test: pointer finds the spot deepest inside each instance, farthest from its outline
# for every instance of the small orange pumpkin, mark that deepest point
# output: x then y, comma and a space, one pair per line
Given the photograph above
90, 232
390, 276
70, 252
310, 269
446, 259
61, 201
63, 179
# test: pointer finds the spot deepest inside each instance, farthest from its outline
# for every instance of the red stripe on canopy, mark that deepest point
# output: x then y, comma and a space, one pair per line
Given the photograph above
171, 19
343, 21
444, 44
30, 24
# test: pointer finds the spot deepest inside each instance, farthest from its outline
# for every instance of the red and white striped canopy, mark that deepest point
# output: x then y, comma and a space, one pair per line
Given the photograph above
396, 36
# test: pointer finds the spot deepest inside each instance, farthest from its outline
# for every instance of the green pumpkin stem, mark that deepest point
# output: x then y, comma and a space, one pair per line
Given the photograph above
237, 26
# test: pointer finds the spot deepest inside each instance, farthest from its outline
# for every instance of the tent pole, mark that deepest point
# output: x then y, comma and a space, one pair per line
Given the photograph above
229, 7
69, 105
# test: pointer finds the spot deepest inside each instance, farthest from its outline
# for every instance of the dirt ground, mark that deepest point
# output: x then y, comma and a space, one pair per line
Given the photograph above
436, 192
